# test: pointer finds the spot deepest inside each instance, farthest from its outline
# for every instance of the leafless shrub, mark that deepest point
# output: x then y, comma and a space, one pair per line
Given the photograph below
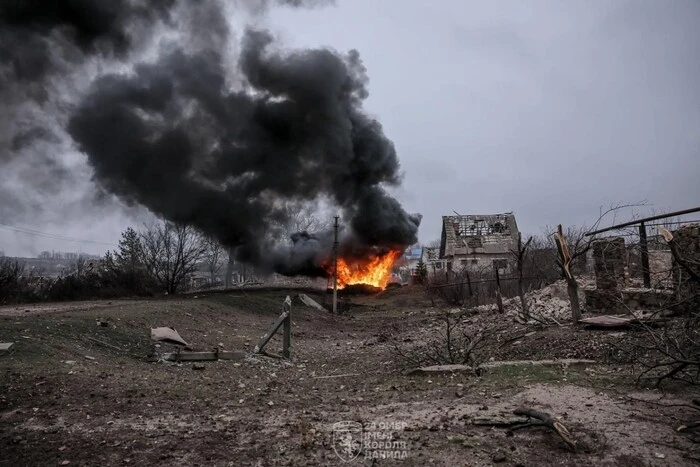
671, 347
454, 343
11, 281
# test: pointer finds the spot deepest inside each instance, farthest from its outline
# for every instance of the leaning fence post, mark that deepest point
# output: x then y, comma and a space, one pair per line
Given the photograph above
284, 319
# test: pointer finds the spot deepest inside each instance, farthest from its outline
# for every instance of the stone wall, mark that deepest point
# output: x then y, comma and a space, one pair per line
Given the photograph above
626, 300
687, 240
609, 263
660, 267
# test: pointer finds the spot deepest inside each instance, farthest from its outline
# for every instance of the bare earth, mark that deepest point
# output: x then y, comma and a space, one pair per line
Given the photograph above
69, 400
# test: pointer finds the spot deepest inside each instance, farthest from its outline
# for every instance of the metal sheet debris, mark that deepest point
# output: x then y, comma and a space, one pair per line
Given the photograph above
169, 335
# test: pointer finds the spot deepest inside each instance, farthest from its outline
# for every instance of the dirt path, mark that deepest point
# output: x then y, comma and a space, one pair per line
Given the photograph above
68, 400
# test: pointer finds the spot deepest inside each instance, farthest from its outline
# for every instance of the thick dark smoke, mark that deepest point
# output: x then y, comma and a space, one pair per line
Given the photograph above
36, 36
176, 136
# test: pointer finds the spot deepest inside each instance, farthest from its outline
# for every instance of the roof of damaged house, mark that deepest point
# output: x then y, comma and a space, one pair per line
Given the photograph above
476, 234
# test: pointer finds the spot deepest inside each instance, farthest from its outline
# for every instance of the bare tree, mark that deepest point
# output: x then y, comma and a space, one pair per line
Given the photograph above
230, 264
213, 256
520, 256
297, 217
565, 261
171, 252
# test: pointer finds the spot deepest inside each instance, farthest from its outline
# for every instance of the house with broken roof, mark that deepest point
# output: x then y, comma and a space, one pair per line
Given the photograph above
477, 242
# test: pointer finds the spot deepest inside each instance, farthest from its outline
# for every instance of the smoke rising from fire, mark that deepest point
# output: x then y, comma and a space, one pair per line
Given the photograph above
202, 139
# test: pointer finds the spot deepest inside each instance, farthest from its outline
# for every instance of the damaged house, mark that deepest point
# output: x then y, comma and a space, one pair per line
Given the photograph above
476, 242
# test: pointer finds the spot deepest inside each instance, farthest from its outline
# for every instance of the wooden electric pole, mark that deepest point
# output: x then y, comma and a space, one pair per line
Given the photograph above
335, 265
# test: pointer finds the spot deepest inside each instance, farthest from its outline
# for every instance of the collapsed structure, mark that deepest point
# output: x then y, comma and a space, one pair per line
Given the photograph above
673, 289
475, 242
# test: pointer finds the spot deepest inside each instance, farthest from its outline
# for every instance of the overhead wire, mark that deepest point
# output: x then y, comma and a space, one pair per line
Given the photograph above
38, 233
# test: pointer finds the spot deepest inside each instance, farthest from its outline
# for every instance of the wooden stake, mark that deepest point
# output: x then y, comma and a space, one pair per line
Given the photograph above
284, 319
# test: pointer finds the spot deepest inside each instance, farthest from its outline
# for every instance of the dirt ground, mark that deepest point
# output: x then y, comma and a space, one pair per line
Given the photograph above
74, 392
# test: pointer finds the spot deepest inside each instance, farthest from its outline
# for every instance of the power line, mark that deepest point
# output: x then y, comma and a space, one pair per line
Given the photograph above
37, 233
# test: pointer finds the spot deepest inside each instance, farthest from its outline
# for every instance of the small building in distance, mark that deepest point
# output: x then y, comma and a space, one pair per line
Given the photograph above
476, 242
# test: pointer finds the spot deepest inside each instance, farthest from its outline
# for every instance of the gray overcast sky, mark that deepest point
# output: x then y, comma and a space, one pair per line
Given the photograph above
546, 108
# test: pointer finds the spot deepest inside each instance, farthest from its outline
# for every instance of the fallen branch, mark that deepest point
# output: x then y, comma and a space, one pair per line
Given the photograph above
543, 419
526, 418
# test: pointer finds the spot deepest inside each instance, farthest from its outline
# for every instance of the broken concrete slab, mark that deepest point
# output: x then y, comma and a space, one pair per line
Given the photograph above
5, 346
608, 321
168, 335
308, 301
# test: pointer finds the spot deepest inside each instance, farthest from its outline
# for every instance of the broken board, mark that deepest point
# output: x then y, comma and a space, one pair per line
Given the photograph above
203, 356
5, 346
458, 368
308, 301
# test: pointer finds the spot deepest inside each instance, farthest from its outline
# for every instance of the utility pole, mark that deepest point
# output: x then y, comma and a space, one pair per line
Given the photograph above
335, 265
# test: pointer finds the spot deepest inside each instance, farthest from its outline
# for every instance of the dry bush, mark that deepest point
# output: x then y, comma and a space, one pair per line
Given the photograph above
671, 350
11, 279
454, 343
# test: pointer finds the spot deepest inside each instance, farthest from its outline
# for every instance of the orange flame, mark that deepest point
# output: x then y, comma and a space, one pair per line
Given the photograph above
375, 271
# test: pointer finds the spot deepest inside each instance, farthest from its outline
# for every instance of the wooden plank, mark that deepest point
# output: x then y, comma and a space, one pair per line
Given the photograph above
285, 318
271, 332
457, 368
203, 356
337, 376
5, 345
311, 302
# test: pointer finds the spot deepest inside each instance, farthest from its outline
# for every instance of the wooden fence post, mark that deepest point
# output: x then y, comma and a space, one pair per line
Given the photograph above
284, 319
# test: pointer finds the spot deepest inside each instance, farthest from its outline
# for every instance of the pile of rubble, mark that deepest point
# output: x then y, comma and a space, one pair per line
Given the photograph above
549, 304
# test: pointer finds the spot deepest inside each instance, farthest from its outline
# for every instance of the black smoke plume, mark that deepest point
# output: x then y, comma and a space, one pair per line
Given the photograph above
222, 148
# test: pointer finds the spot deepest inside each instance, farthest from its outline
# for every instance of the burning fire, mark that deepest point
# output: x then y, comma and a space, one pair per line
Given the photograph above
375, 271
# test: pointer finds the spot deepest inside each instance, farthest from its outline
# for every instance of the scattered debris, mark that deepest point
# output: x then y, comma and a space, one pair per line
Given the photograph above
198, 366
168, 335
548, 305
103, 324
5, 345
89, 357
